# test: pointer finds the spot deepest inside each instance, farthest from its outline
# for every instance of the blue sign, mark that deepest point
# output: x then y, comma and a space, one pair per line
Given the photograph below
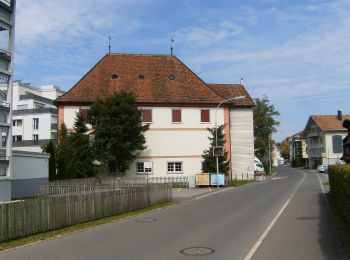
217, 179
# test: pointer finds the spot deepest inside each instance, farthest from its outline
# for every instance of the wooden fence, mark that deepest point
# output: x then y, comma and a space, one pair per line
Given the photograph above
27, 217
176, 181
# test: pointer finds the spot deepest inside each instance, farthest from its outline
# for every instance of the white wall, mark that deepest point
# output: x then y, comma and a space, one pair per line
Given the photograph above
242, 141
28, 165
328, 157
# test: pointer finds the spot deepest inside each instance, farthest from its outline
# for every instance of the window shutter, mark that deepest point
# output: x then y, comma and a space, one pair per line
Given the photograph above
205, 116
147, 115
176, 114
84, 112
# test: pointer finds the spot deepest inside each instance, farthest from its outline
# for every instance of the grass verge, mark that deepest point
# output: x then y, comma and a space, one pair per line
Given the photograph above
79, 227
236, 183
340, 223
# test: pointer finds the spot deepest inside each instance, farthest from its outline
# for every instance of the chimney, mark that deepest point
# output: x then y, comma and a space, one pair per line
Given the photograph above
340, 117
242, 83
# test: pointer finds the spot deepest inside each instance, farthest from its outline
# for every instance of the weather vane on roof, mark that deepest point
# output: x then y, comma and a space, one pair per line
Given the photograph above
171, 46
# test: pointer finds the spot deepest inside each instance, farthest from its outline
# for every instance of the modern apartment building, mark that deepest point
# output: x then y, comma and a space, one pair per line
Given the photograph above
298, 146
7, 31
34, 119
325, 134
177, 105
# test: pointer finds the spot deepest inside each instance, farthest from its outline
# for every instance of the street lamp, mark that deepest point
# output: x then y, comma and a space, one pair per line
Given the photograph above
216, 132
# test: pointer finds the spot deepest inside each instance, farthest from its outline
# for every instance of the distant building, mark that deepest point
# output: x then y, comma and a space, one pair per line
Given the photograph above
298, 147
34, 119
325, 134
177, 105
346, 143
7, 31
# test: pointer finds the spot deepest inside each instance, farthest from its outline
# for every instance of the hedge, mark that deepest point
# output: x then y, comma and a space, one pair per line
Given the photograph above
339, 181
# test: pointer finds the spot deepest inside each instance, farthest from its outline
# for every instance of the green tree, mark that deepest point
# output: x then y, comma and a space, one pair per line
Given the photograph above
285, 149
118, 130
82, 156
64, 154
50, 148
209, 163
264, 127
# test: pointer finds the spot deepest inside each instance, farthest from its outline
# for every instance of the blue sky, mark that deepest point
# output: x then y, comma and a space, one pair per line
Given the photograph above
296, 52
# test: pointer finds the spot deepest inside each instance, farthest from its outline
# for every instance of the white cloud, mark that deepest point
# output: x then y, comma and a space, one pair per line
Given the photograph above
208, 34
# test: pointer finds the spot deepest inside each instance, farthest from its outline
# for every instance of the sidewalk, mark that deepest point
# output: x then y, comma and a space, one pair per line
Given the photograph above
305, 229
185, 194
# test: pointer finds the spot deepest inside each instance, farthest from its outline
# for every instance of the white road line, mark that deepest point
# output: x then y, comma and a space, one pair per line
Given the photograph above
207, 195
272, 223
321, 183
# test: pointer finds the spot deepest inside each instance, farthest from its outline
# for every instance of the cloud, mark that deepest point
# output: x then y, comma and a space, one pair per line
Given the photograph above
208, 34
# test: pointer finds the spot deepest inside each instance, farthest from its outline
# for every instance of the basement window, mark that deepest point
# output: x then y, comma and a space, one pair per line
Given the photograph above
115, 77
171, 77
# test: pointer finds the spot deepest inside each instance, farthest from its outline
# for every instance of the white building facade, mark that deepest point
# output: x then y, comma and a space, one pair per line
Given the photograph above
7, 32
34, 119
178, 109
325, 134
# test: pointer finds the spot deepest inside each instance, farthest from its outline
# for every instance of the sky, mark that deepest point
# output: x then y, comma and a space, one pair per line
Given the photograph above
294, 52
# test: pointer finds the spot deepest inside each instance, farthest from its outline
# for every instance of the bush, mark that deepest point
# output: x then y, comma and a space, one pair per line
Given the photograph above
339, 181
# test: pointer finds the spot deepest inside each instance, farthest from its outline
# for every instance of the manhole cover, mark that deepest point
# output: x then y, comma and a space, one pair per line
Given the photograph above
194, 251
308, 218
145, 220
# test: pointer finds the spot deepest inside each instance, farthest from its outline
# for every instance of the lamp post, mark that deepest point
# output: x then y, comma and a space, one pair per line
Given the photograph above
216, 132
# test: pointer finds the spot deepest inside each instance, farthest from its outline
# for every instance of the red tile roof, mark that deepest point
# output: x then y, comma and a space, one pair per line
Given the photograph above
227, 91
156, 87
329, 122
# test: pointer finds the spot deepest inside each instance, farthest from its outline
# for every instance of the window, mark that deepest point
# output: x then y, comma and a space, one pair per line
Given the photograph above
337, 141
171, 77
144, 167
147, 115
174, 167
17, 122
35, 123
115, 77
176, 115
36, 139
205, 116
141, 77
16, 138
84, 112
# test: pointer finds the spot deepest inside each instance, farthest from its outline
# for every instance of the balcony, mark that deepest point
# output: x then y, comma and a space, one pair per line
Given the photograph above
53, 126
29, 96
43, 110
7, 4
25, 143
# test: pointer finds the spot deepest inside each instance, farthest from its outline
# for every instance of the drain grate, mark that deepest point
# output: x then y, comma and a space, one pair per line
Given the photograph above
308, 218
146, 220
196, 251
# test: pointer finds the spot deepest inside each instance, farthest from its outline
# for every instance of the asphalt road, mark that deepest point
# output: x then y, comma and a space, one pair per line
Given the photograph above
224, 225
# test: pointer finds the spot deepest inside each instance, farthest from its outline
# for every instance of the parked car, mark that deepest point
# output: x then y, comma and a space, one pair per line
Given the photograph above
258, 167
322, 168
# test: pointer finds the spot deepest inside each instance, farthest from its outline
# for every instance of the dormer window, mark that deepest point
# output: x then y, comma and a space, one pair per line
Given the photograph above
141, 77
171, 77
115, 77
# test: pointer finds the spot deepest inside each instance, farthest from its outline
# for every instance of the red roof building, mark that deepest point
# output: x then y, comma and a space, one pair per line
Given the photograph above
163, 86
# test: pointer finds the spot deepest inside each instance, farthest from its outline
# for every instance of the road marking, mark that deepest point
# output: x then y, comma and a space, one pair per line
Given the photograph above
207, 195
272, 223
279, 178
319, 179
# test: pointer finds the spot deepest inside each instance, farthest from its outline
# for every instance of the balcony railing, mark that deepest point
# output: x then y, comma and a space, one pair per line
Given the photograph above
53, 126
35, 97
32, 142
42, 110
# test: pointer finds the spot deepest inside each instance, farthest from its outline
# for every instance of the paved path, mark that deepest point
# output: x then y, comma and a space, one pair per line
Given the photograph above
229, 222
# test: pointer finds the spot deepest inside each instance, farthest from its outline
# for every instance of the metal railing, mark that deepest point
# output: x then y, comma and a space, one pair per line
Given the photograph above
35, 111
33, 142
35, 97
